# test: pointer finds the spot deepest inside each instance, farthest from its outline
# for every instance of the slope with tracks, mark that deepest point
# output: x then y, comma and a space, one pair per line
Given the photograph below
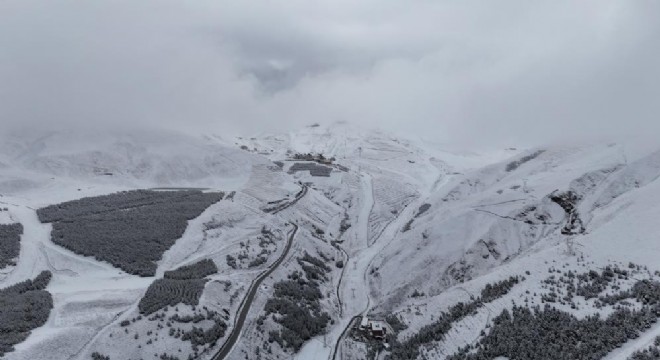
244, 308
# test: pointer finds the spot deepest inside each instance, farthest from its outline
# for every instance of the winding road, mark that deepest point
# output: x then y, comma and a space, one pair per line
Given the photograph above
285, 206
246, 304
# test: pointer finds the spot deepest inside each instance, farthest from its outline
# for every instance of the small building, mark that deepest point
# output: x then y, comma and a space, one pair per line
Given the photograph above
364, 324
378, 330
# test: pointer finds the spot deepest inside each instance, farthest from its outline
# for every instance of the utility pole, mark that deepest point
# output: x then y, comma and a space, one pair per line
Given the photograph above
360, 160
353, 290
570, 246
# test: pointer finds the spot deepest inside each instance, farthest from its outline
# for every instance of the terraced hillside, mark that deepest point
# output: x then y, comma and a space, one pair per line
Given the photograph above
181, 286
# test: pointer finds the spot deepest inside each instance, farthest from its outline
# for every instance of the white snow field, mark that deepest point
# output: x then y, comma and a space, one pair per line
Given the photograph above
398, 228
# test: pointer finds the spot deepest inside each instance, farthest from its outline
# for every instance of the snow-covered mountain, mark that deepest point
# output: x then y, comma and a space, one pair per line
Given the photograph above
324, 226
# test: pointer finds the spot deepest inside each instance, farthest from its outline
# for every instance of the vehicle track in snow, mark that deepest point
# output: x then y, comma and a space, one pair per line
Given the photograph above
371, 251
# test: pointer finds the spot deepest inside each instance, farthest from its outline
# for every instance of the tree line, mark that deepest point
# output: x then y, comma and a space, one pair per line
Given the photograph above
10, 243
297, 302
23, 307
130, 230
184, 285
549, 333
409, 349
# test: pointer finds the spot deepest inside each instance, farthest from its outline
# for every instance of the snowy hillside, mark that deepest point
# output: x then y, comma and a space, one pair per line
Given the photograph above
136, 159
281, 245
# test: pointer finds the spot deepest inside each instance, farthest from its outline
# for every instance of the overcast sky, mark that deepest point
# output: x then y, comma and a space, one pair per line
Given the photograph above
470, 72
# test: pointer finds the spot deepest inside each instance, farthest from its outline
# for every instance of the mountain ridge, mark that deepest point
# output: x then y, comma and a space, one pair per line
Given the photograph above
388, 227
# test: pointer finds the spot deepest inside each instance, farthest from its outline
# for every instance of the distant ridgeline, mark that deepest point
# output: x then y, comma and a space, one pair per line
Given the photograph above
131, 229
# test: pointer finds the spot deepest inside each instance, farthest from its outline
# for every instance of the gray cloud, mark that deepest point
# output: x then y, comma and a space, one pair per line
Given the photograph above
470, 72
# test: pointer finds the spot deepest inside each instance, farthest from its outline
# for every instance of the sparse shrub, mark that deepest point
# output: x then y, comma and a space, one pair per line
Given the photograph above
199, 337
408, 225
296, 300
396, 323
313, 267
98, 356
409, 349
188, 318
495, 291
422, 209
417, 293
165, 356
260, 260
650, 353
550, 333
231, 261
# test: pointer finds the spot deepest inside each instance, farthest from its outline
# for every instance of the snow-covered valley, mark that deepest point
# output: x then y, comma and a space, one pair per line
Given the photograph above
323, 227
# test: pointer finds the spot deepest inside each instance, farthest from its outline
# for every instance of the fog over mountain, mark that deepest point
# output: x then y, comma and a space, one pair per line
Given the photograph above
329, 180
470, 72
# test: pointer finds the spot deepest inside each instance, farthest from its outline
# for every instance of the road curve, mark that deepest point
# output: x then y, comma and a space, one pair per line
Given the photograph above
244, 309
343, 333
282, 207
341, 277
